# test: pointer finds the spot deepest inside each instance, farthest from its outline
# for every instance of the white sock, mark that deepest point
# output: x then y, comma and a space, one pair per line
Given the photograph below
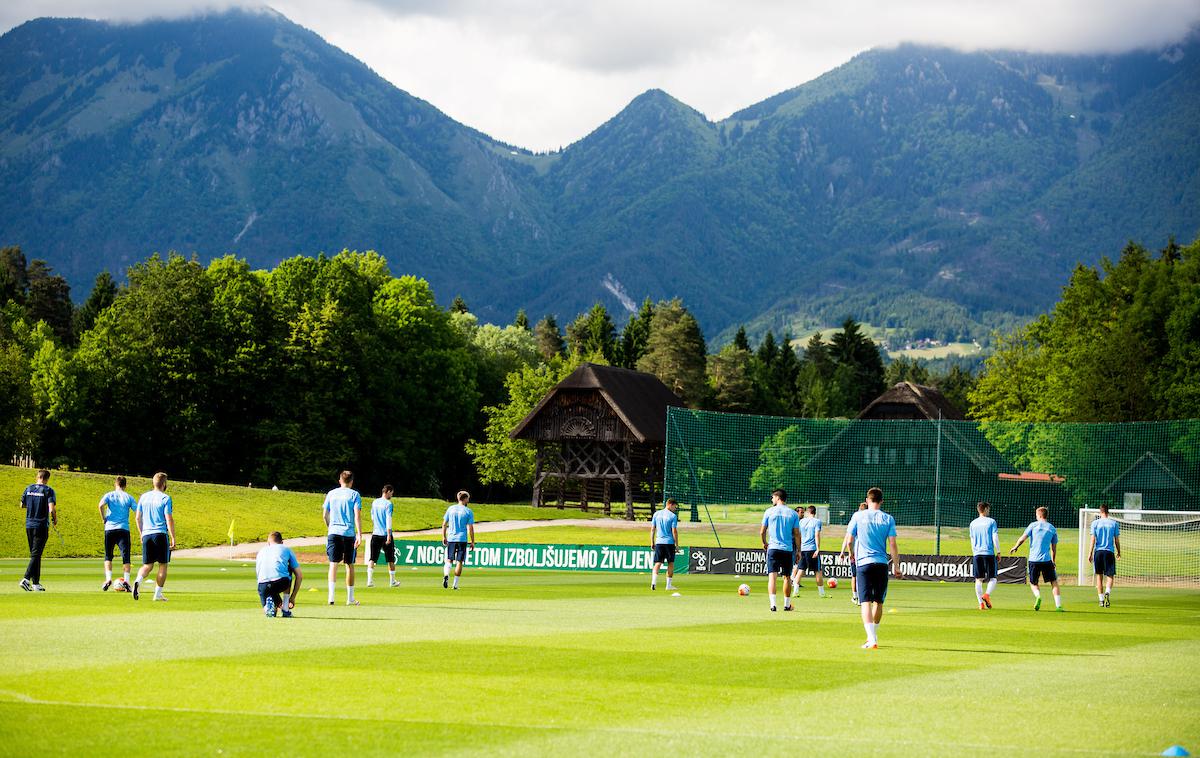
991, 586
456, 581
127, 577
108, 575
332, 586
821, 589
787, 601
979, 590
391, 575
1058, 601
1036, 591
350, 594
1100, 596
772, 596
370, 574
875, 633
285, 597
446, 569
158, 590
870, 631
653, 576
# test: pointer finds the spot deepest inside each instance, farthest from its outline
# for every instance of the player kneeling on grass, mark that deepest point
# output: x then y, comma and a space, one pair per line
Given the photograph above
985, 544
41, 510
780, 534
1103, 552
458, 527
664, 536
114, 514
279, 577
810, 550
343, 515
381, 538
1043, 552
156, 524
871, 533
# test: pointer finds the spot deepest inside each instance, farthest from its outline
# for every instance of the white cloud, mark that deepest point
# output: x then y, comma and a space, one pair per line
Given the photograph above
542, 75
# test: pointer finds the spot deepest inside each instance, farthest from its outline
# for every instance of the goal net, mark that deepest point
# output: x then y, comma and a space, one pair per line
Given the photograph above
1157, 547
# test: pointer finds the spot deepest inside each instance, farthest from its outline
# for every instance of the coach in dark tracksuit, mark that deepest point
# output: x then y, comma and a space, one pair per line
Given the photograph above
40, 511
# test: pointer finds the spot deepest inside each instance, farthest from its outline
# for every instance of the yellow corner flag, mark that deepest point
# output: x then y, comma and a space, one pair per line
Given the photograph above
231, 530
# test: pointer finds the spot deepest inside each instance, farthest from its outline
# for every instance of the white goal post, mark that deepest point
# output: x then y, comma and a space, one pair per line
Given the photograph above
1159, 548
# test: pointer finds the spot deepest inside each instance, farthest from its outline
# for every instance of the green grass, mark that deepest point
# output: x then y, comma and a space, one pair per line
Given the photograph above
203, 512
537, 663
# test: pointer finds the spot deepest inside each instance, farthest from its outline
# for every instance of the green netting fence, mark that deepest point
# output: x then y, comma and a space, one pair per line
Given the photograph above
932, 472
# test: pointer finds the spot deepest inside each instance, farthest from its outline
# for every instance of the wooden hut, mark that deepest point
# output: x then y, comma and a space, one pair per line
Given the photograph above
601, 426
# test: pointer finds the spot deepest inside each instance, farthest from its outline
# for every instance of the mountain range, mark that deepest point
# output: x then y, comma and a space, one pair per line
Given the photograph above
947, 192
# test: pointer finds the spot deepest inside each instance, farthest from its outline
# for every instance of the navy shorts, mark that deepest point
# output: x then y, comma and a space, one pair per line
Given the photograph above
340, 548
1105, 562
116, 539
456, 552
273, 589
985, 567
1044, 570
664, 553
872, 582
380, 543
156, 548
810, 560
781, 561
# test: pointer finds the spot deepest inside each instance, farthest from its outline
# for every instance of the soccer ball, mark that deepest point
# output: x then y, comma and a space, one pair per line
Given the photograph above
120, 586
831, 584
743, 589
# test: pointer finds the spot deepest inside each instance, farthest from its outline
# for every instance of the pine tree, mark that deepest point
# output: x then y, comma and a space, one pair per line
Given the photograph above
549, 339
459, 305
521, 320
635, 335
676, 354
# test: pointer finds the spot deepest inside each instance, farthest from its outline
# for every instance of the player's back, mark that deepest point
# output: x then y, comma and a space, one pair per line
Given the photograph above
871, 530
275, 561
780, 521
457, 518
154, 507
1105, 531
983, 535
36, 501
810, 527
664, 521
118, 505
1042, 535
341, 503
381, 515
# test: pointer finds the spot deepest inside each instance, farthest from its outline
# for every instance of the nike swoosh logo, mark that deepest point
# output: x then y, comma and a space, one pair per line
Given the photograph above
721, 560
1004, 570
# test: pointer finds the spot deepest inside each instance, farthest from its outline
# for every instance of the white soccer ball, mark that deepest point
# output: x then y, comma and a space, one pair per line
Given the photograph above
743, 589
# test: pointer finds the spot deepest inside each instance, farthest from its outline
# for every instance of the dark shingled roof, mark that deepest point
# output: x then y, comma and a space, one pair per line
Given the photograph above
928, 400
640, 400
1154, 471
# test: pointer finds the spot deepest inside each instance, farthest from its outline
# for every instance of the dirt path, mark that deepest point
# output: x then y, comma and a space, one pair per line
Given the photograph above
246, 550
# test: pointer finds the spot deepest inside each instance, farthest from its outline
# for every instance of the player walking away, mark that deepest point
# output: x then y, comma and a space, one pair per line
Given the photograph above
381, 537
279, 577
780, 534
810, 550
343, 515
41, 510
114, 514
871, 533
664, 536
156, 524
853, 573
1103, 551
985, 544
1043, 552
458, 527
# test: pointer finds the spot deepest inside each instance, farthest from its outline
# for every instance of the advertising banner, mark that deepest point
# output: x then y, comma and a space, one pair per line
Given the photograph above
929, 568
550, 557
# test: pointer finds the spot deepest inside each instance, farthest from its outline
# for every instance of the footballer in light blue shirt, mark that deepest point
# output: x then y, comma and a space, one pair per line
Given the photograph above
871, 534
115, 508
156, 523
381, 537
458, 528
810, 550
985, 543
342, 512
780, 534
279, 576
1043, 550
1103, 552
664, 537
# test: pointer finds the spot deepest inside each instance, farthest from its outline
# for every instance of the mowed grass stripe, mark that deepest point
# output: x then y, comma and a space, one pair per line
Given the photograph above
541, 662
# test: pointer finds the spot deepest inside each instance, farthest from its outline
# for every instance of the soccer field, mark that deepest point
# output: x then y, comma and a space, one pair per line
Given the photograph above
541, 663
